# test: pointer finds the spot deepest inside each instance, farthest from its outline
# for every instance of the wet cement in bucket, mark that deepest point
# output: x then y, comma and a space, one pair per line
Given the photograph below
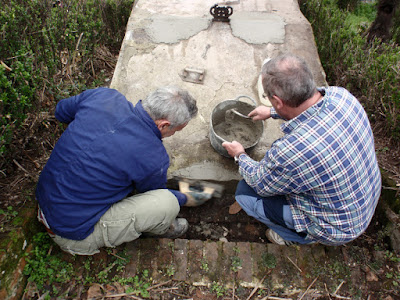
237, 130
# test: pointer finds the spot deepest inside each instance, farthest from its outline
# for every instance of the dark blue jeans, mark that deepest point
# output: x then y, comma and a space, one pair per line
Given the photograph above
272, 211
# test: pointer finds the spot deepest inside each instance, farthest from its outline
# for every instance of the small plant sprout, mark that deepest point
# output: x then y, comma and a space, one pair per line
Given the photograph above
204, 265
170, 270
268, 260
236, 263
218, 288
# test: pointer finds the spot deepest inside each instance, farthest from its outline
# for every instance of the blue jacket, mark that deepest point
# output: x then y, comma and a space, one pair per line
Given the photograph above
109, 149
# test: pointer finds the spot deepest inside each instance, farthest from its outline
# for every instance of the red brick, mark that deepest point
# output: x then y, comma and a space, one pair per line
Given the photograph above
276, 251
228, 274
211, 258
148, 246
245, 273
180, 259
132, 250
165, 253
162, 261
257, 252
195, 260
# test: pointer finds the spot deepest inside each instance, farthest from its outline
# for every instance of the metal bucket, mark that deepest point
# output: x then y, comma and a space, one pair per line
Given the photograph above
245, 131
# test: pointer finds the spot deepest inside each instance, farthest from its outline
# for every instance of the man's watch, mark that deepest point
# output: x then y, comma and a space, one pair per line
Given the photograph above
236, 157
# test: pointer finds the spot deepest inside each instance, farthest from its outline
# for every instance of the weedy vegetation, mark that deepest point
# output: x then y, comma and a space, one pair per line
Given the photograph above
218, 288
50, 270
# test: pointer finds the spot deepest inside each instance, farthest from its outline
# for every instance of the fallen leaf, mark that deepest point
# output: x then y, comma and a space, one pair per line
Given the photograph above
204, 295
114, 289
371, 276
95, 291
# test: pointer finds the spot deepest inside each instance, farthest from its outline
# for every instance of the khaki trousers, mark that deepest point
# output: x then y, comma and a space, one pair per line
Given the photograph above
151, 212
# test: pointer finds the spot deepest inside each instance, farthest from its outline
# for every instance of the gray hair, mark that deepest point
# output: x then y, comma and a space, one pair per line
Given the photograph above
171, 103
288, 77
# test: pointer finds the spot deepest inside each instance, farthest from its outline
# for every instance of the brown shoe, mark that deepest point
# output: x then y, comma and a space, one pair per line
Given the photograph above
234, 208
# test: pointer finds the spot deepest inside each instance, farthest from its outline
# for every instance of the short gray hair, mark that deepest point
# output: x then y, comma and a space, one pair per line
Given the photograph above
171, 103
288, 77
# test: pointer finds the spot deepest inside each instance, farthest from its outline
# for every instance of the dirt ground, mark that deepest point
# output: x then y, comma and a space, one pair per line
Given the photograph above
34, 142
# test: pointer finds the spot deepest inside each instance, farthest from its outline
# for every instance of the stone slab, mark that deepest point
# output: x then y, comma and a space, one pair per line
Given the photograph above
165, 37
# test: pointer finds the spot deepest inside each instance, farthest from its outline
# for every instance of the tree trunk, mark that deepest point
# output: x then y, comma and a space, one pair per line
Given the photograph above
380, 28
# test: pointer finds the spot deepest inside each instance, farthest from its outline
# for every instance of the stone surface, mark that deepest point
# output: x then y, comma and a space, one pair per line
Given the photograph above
165, 37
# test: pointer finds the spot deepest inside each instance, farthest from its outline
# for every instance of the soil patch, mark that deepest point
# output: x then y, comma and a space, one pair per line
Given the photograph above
212, 221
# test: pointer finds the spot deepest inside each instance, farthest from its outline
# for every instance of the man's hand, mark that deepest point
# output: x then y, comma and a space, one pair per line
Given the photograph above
233, 148
260, 113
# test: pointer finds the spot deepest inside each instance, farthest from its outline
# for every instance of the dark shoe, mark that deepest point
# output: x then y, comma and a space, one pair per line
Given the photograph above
277, 239
178, 228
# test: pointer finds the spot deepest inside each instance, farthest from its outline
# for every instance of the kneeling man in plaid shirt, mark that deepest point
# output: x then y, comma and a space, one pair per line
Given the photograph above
320, 182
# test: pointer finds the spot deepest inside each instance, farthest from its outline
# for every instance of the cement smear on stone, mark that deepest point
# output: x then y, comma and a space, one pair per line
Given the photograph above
171, 29
258, 27
208, 170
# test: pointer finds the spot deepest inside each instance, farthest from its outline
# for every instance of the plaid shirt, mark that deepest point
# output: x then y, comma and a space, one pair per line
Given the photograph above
326, 166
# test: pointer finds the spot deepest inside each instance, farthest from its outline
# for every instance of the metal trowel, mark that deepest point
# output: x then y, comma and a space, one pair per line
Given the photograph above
201, 186
198, 191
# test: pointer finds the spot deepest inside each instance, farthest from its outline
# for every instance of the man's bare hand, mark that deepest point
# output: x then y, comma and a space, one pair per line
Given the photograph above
260, 113
233, 148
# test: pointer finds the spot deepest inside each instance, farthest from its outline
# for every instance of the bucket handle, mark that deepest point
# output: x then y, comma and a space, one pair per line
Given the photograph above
252, 100
248, 97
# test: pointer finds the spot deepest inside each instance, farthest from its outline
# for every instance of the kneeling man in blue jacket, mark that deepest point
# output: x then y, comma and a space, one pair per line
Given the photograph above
105, 181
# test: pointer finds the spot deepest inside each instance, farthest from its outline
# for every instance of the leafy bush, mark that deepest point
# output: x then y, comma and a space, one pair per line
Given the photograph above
367, 11
17, 90
370, 72
348, 4
46, 48
396, 27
